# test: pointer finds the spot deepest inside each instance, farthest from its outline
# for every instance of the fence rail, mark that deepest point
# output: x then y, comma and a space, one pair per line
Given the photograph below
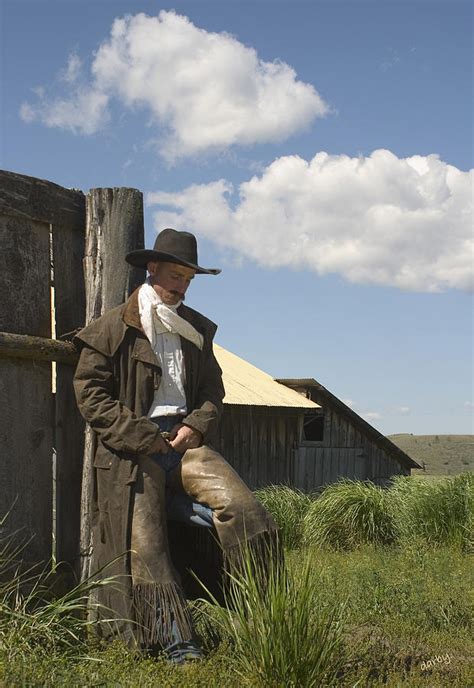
36, 348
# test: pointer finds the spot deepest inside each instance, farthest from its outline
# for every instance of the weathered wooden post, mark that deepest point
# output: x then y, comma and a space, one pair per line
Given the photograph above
114, 226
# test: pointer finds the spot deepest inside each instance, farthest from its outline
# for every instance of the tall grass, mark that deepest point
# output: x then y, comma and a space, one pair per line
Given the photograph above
32, 616
347, 514
280, 633
288, 507
34, 621
439, 511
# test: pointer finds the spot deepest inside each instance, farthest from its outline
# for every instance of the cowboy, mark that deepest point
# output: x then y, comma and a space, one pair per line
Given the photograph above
150, 387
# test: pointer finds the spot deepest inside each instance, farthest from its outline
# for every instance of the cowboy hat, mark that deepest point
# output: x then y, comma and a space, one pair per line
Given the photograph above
171, 246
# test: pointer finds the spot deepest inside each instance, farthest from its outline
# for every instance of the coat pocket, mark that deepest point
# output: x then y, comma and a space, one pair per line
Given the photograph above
103, 458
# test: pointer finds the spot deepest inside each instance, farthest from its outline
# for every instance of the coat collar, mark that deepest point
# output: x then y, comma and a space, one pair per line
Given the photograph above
131, 312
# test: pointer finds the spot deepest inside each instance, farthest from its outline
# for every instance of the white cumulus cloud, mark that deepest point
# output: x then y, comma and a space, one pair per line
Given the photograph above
401, 222
83, 112
206, 91
73, 69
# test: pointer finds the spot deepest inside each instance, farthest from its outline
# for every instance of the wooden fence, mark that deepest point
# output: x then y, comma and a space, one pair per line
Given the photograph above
61, 265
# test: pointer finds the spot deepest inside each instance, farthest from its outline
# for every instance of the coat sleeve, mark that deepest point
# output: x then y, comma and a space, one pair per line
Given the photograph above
210, 393
115, 424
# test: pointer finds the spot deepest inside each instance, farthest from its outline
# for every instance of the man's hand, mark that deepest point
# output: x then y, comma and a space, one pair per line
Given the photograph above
183, 437
161, 446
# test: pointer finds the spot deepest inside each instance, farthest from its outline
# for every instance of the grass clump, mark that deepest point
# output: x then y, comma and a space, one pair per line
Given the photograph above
34, 617
436, 511
348, 514
288, 507
280, 634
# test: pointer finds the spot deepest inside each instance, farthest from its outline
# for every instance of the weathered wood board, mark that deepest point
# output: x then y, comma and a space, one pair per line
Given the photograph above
69, 311
26, 418
114, 227
41, 239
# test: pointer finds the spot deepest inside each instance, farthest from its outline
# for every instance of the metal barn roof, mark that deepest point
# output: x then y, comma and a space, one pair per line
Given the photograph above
247, 385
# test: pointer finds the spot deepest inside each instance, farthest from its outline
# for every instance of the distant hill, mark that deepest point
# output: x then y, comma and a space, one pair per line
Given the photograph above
441, 454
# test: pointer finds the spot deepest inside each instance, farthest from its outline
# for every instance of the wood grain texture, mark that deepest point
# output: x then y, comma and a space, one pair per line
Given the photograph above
26, 420
25, 277
260, 443
68, 246
23, 346
114, 227
29, 198
26, 441
42, 226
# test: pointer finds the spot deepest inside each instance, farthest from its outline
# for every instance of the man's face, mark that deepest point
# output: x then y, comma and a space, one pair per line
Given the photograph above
170, 280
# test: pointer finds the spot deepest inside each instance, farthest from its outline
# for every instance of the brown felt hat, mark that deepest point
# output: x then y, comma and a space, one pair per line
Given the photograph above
171, 246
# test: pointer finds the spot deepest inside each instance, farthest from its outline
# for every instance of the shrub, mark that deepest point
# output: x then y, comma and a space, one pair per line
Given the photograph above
347, 514
288, 507
439, 511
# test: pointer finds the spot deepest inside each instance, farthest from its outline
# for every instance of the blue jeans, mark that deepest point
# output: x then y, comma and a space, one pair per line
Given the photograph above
179, 506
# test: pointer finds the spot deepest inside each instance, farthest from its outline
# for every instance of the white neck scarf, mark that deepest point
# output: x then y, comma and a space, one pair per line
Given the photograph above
157, 317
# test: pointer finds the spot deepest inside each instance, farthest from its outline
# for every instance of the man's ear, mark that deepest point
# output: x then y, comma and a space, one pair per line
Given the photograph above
151, 266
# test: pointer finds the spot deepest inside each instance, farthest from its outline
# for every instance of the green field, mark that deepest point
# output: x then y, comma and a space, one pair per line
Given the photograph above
377, 591
440, 454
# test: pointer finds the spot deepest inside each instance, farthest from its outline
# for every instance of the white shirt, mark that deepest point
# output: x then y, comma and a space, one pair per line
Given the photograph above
170, 398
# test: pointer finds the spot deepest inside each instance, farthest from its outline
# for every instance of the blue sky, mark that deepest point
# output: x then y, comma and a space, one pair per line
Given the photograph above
319, 150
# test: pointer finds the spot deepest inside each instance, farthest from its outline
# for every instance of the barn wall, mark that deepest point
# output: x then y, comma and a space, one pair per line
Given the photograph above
260, 442
264, 446
344, 452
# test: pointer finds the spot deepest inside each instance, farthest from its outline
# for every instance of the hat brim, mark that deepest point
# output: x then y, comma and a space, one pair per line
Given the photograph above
142, 257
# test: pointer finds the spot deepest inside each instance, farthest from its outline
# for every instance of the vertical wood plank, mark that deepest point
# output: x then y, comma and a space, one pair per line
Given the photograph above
299, 469
327, 427
340, 463
319, 460
69, 310
25, 272
287, 468
333, 463
342, 432
350, 435
270, 468
26, 420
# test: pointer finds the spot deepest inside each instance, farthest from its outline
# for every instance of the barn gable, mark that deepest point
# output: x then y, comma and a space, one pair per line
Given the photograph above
312, 389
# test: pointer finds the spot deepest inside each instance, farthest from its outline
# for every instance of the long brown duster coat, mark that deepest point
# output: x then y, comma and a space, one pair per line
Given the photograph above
115, 382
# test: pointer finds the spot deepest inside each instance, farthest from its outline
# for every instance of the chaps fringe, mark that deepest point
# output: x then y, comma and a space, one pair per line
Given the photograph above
156, 608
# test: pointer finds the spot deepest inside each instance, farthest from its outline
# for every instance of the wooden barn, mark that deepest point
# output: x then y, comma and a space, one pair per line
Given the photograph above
297, 433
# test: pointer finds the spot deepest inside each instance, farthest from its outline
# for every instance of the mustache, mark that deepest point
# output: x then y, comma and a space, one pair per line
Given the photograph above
179, 294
